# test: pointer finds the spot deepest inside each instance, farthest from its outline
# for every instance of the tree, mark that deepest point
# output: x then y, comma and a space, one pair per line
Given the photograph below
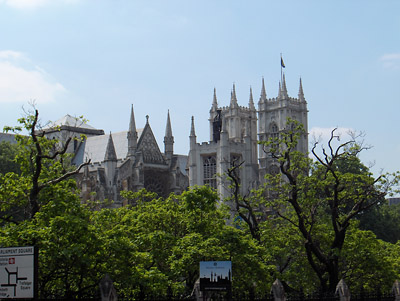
8, 152
319, 200
43, 163
158, 244
383, 220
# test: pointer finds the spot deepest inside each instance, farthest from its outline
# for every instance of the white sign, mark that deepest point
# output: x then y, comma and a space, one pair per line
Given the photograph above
17, 266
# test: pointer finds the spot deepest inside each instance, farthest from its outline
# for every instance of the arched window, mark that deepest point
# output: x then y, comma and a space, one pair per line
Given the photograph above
274, 132
209, 171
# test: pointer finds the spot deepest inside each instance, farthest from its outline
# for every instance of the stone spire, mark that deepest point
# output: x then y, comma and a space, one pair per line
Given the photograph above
284, 90
192, 138
263, 96
168, 139
233, 97
280, 91
301, 93
251, 102
110, 155
132, 136
215, 102
192, 131
168, 128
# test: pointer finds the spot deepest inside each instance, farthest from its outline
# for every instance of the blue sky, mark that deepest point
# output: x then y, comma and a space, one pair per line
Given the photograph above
97, 57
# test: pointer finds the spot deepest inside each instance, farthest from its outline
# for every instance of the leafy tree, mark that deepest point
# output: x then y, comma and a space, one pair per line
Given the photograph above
367, 263
158, 244
70, 253
8, 152
383, 220
319, 200
43, 164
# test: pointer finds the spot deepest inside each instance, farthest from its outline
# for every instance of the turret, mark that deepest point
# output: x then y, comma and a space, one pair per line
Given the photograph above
233, 98
132, 136
168, 140
284, 93
301, 93
214, 105
251, 102
263, 96
192, 168
110, 161
110, 155
192, 136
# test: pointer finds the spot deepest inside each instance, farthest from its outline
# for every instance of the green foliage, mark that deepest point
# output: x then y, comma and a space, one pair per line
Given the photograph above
43, 164
383, 220
367, 263
318, 201
8, 152
302, 224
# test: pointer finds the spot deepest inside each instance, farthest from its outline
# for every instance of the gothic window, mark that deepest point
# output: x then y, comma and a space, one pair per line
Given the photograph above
274, 132
209, 171
156, 181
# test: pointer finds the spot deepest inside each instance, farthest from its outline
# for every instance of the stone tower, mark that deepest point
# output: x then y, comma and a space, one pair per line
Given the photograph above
234, 136
233, 140
272, 117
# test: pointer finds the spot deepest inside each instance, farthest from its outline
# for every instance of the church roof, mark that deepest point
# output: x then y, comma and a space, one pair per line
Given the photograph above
71, 121
94, 148
181, 162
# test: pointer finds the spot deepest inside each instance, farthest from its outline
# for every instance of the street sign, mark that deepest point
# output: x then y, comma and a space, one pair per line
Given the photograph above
18, 272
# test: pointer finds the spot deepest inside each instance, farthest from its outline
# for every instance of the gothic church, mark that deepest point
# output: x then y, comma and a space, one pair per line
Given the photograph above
132, 160
128, 160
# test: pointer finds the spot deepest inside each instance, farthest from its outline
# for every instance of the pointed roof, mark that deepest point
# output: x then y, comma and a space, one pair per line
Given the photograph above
147, 144
215, 102
301, 93
110, 155
263, 95
284, 90
94, 147
251, 102
280, 91
132, 136
168, 128
192, 131
70, 121
233, 97
132, 124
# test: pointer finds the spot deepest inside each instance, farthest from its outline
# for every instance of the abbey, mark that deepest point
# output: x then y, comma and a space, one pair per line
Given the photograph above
132, 160
128, 160
234, 134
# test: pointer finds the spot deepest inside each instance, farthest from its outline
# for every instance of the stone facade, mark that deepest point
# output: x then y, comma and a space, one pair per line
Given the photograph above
234, 134
132, 160
129, 160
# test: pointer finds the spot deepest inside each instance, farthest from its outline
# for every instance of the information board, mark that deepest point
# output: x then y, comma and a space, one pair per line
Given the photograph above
215, 275
17, 272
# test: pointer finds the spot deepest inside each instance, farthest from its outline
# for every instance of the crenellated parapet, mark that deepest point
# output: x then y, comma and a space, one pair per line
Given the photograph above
234, 134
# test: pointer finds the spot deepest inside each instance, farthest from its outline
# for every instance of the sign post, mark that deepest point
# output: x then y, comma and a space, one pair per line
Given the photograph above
18, 272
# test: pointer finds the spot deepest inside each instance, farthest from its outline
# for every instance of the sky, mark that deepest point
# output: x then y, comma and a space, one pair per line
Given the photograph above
98, 57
